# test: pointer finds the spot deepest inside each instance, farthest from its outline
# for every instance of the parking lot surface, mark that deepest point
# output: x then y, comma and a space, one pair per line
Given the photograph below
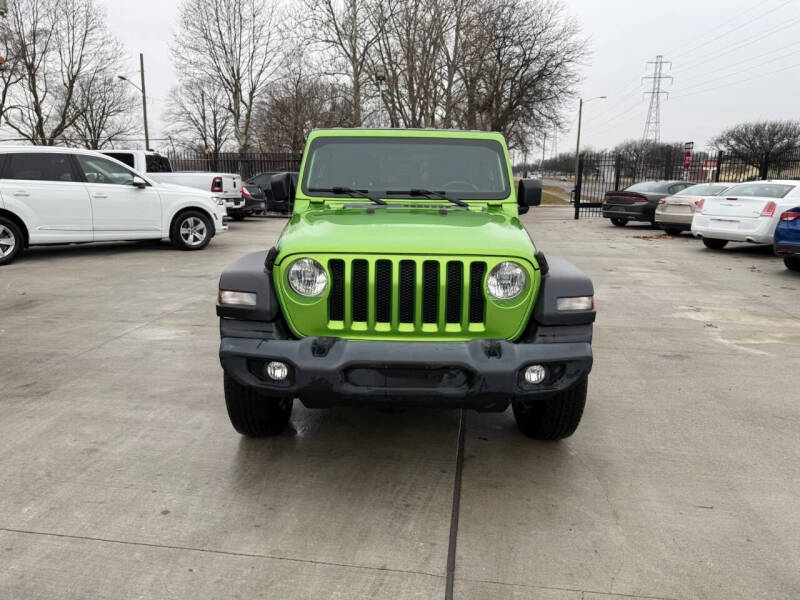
121, 476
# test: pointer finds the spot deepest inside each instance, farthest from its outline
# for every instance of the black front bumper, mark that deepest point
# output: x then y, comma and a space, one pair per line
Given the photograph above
480, 374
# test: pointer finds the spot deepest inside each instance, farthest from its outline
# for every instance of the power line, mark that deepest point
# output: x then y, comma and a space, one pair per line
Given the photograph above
750, 68
738, 45
737, 28
736, 17
652, 127
711, 89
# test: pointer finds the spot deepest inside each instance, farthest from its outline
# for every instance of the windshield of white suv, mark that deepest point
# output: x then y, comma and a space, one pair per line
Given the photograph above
467, 169
764, 190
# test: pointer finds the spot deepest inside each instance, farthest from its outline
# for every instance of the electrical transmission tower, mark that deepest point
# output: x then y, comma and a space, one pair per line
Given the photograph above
652, 128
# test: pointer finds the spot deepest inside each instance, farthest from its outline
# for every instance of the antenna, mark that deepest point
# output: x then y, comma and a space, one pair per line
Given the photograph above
652, 127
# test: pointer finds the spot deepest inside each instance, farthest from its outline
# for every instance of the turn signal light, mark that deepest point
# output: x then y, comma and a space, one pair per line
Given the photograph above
769, 209
698, 205
575, 303
245, 193
231, 298
216, 184
790, 216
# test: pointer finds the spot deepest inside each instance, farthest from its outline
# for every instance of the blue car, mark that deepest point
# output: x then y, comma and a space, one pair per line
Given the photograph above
787, 238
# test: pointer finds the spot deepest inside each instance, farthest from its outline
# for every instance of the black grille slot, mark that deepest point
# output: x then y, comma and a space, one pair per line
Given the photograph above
430, 291
360, 290
455, 272
407, 285
383, 291
477, 303
336, 297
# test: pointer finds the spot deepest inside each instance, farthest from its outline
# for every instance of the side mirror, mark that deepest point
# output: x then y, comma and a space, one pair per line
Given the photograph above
139, 182
529, 194
283, 188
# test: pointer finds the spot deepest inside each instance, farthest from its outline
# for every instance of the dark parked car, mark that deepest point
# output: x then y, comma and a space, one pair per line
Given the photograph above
787, 238
264, 182
255, 202
638, 202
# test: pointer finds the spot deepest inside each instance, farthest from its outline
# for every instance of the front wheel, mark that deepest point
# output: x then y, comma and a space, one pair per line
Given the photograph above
254, 414
556, 417
619, 221
10, 241
191, 230
792, 262
714, 244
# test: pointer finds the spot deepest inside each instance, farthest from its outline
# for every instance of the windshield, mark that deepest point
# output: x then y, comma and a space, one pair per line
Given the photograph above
468, 169
704, 189
765, 190
648, 186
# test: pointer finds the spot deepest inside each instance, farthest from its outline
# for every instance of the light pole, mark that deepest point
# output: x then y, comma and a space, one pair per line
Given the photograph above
380, 78
578, 142
143, 90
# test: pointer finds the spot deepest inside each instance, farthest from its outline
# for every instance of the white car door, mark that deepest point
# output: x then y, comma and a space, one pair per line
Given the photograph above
45, 190
120, 209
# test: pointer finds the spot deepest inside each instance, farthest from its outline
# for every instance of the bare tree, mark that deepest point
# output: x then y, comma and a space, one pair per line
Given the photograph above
345, 29
760, 141
198, 117
59, 46
298, 102
10, 71
107, 104
409, 48
231, 44
520, 67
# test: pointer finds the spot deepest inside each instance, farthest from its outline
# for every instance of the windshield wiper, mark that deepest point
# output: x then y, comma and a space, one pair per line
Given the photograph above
429, 194
350, 192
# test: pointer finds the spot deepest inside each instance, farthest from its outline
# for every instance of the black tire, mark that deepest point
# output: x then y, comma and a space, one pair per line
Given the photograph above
11, 241
792, 262
187, 234
254, 414
672, 230
238, 217
555, 418
714, 244
619, 221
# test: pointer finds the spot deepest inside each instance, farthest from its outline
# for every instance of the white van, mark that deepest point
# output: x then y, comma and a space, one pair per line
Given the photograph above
65, 195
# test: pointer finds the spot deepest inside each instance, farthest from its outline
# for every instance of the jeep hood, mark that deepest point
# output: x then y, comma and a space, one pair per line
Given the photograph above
402, 230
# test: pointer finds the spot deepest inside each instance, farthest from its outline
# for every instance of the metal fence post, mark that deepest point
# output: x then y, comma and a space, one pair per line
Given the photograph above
617, 169
578, 185
668, 164
720, 155
763, 172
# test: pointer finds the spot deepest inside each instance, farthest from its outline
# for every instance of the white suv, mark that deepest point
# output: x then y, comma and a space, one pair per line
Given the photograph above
66, 195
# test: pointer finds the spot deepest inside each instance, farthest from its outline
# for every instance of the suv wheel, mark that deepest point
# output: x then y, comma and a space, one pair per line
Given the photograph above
714, 244
10, 241
254, 414
554, 418
619, 221
792, 262
673, 231
191, 231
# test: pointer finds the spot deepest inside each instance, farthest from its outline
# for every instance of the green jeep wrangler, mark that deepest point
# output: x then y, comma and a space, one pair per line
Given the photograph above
404, 278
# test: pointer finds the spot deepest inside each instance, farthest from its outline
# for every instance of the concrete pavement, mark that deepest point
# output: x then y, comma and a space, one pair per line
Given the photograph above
121, 476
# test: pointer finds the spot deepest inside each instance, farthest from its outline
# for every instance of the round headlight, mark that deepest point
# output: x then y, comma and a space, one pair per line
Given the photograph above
307, 277
506, 281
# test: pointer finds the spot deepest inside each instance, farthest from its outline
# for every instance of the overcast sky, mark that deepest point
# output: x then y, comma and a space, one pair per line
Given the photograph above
732, 60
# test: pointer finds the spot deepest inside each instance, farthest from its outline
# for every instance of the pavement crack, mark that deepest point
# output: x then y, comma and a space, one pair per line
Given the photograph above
218, 552
566, 589
454, 512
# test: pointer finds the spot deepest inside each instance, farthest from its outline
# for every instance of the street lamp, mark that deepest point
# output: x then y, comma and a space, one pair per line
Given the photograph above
144, 99
380, 78
578, 142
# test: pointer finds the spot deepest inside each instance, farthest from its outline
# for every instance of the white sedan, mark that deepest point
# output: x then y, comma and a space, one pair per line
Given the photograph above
747, 212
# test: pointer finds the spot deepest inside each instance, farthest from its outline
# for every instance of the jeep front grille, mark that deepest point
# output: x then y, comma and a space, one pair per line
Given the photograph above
386, 295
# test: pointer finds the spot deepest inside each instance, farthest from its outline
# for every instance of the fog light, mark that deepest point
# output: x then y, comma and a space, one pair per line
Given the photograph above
535, 374
276, 370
